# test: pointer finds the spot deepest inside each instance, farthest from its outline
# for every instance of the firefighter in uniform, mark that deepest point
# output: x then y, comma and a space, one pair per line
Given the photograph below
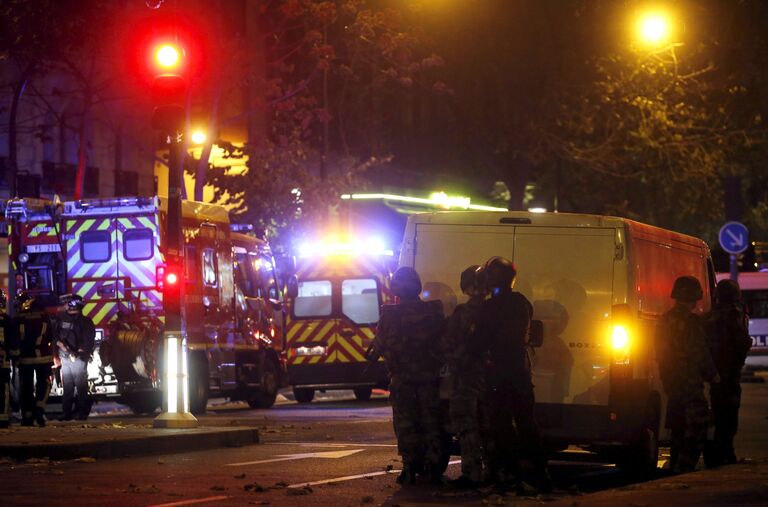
466, 371
408, 337
9, 349
502, 332
684, 364
35, 338
75, 335
729, 343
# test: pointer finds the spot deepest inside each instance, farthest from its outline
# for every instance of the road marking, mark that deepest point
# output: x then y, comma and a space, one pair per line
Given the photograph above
580, 463
353, 477
325, 444
191, 502
306, 455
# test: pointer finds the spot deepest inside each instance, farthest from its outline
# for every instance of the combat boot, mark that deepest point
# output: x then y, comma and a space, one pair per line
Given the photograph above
40, 418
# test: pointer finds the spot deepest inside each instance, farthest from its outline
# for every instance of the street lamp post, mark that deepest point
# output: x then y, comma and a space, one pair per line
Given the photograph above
170, 90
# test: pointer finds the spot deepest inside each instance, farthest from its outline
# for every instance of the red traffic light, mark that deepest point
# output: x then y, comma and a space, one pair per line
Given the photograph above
168, 56
167, 278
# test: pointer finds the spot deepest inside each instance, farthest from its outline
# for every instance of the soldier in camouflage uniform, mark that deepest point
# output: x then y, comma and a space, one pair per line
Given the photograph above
9, 349
467, 373
408, 337
684, 363
502, 331
729, 342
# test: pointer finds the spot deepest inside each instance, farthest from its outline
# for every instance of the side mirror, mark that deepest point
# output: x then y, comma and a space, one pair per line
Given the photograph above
536, 334
292, 287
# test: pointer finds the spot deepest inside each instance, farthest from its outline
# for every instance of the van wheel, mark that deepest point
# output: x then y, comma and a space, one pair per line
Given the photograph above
266, 395
363, 393
641, 459
144, 403
198, 383
303, 394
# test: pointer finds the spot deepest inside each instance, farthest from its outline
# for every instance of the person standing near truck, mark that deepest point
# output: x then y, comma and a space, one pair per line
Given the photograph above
466, 372
35, 361
408, 338
502, 332
729, 343
684, 365
9, 349
75, 336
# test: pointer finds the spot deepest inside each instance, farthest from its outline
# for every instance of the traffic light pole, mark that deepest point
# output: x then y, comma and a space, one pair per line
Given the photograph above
176, 380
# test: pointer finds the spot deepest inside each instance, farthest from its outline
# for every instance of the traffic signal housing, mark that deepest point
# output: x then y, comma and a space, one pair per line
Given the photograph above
169, 280
169, 87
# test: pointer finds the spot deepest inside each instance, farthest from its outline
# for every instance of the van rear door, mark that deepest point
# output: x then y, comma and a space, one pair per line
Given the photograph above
567, 274
469, 244
92, 265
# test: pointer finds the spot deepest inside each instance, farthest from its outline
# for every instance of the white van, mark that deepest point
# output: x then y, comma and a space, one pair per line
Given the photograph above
598, 284
754, 293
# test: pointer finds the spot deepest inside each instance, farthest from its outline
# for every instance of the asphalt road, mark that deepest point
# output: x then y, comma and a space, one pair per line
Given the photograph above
334, 451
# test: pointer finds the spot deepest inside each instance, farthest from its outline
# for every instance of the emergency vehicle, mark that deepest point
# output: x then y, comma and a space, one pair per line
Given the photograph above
754, 294
599, 284
35, 247
111, 252
333, 316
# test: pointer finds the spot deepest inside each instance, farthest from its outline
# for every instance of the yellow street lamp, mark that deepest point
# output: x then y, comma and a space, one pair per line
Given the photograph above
654, 28
198, 137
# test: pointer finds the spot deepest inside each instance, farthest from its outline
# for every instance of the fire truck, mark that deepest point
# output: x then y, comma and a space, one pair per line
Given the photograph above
332, 318
113, 256
35, 247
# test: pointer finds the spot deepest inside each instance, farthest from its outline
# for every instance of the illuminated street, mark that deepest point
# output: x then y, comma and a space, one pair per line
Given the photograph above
335, 451
383, 252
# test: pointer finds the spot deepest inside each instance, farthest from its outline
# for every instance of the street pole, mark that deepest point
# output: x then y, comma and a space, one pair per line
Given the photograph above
734, 267
176, 382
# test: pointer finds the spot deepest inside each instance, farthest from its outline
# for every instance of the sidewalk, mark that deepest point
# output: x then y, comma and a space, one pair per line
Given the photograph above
742, 484
107, 439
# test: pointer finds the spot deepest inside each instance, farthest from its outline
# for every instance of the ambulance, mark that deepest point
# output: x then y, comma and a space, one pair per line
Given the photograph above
115, 260
333, 315
599, 284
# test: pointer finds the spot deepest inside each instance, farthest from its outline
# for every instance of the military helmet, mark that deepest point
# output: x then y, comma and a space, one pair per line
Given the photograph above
500, 272
687, 288
472, 278
727, 291
75, 302
406, 282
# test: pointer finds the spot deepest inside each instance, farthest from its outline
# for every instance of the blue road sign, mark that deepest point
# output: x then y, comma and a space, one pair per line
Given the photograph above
734, 237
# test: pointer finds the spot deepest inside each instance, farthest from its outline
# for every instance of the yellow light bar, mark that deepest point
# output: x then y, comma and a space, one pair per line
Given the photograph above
436, 199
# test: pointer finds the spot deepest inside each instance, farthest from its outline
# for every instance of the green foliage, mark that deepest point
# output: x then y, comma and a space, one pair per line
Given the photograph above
650, 139
326, 77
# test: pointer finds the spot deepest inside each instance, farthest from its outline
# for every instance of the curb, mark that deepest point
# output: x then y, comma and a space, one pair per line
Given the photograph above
161, 441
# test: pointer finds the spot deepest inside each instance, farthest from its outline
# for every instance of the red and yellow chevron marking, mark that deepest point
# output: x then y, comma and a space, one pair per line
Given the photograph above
101, 313
343, 349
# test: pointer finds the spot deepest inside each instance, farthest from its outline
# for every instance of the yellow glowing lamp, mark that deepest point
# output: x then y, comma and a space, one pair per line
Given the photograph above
654, 28
167, 56
619, 337
198, 137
